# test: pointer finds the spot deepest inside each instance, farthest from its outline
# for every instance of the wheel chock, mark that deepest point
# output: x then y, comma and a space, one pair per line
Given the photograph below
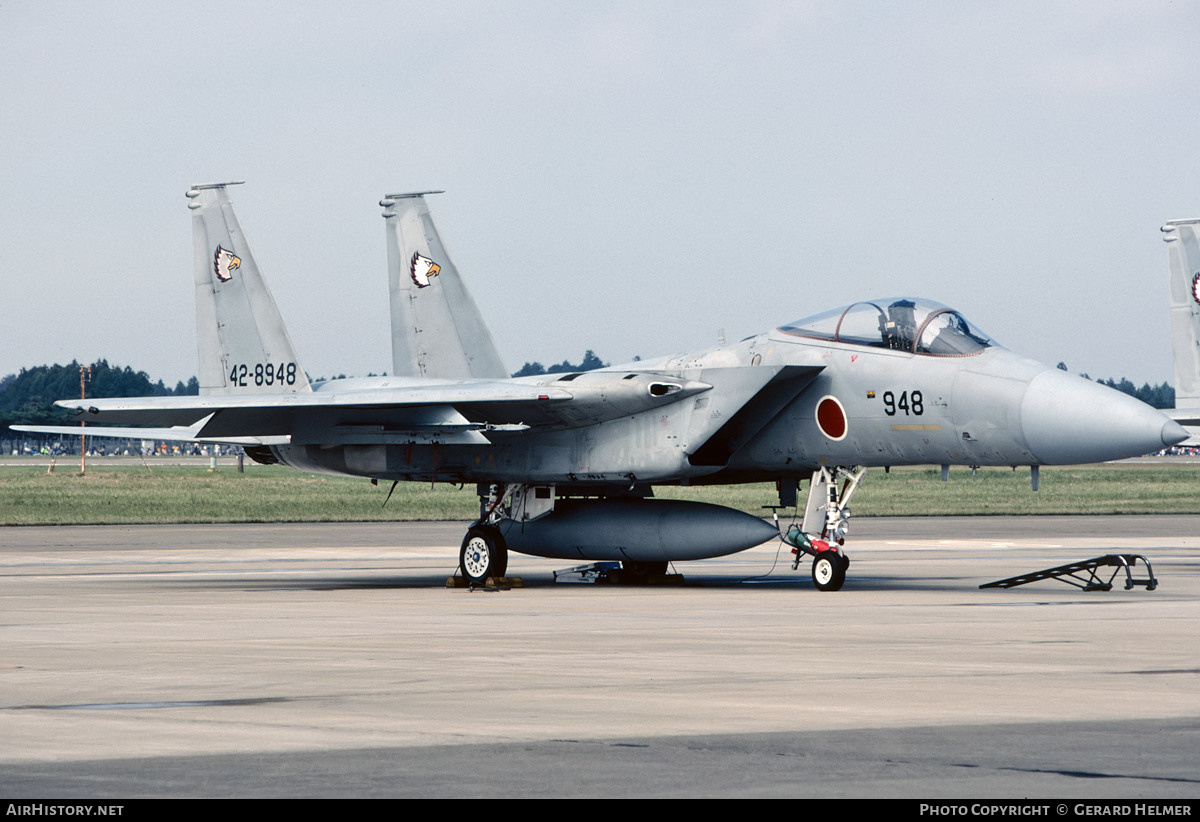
490, 584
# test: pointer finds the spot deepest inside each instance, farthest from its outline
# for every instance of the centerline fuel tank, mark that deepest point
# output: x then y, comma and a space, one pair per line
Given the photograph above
642, 530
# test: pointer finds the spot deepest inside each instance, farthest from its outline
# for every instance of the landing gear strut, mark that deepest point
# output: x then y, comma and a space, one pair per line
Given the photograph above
827, 513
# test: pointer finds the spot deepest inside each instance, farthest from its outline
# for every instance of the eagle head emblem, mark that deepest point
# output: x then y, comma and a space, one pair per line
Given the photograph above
421, 269
224, 262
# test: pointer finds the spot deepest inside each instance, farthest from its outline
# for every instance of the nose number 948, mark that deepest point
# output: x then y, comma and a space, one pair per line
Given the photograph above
910, 402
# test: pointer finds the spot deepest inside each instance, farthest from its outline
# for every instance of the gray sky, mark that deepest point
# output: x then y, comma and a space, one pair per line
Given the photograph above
623, 176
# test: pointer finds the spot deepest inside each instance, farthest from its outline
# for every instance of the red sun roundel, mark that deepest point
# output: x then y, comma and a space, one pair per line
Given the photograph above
831, 418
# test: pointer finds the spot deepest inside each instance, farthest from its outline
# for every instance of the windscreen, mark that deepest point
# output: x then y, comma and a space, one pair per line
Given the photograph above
898, 324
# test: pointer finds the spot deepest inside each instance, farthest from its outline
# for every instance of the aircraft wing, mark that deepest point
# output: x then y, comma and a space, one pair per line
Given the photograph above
449, 412
379, 415
459, 413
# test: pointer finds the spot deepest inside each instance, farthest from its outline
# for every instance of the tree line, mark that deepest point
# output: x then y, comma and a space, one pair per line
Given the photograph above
1155, 396
589, 362
27, 398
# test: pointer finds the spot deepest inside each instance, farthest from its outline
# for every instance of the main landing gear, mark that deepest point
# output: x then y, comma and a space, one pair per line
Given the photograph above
483, 555
826, 514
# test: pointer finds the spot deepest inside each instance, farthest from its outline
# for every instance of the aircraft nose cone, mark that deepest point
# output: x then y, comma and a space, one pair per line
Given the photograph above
1067, 420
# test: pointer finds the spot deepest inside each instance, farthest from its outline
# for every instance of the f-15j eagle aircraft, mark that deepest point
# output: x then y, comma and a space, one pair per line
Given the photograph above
1183, 263
565, 464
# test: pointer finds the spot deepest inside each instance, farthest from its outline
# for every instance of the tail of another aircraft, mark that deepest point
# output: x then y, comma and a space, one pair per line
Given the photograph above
1183, 252
244, 347
437, 331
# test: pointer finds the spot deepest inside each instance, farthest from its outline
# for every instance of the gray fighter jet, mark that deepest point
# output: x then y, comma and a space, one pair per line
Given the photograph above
565, 464
1183, 263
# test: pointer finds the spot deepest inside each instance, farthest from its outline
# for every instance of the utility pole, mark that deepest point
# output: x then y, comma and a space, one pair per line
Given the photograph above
85, 374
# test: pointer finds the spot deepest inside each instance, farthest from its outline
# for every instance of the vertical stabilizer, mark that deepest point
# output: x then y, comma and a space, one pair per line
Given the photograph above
244, 347
1183, 256
437, 331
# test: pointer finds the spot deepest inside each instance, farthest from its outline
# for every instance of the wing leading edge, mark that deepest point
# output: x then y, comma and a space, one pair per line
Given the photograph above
461, 413
441, 411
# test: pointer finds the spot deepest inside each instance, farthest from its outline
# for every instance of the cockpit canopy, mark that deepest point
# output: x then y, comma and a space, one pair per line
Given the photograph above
899, 324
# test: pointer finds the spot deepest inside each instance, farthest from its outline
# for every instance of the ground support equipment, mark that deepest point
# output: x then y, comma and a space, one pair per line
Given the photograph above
1072, 574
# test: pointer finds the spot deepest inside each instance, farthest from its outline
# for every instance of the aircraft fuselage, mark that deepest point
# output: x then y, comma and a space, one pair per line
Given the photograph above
854, 405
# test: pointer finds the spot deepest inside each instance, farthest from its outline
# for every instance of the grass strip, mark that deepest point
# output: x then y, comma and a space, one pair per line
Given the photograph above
127, 493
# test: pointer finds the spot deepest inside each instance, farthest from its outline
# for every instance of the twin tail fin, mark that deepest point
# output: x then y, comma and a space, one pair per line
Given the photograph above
243, 345
437, 330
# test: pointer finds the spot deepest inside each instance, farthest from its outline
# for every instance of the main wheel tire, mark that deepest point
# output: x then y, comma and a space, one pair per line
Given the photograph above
483, 554
828, 571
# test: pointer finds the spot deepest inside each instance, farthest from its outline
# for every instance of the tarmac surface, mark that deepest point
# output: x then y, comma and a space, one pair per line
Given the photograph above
331, 660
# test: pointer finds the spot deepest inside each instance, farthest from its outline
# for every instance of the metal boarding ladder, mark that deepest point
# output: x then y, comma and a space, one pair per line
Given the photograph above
1072, 574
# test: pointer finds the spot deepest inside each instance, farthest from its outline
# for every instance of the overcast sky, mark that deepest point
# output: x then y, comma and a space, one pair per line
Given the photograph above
629, 177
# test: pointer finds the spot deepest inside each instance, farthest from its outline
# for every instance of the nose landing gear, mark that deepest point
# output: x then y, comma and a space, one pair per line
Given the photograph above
830, 508
829, 570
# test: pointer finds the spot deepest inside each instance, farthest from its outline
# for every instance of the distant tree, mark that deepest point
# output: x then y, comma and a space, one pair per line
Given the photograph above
530, 369
1161, 395
564, 367
190, 389
589, 362
27, 398
1157, 396
29, 395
